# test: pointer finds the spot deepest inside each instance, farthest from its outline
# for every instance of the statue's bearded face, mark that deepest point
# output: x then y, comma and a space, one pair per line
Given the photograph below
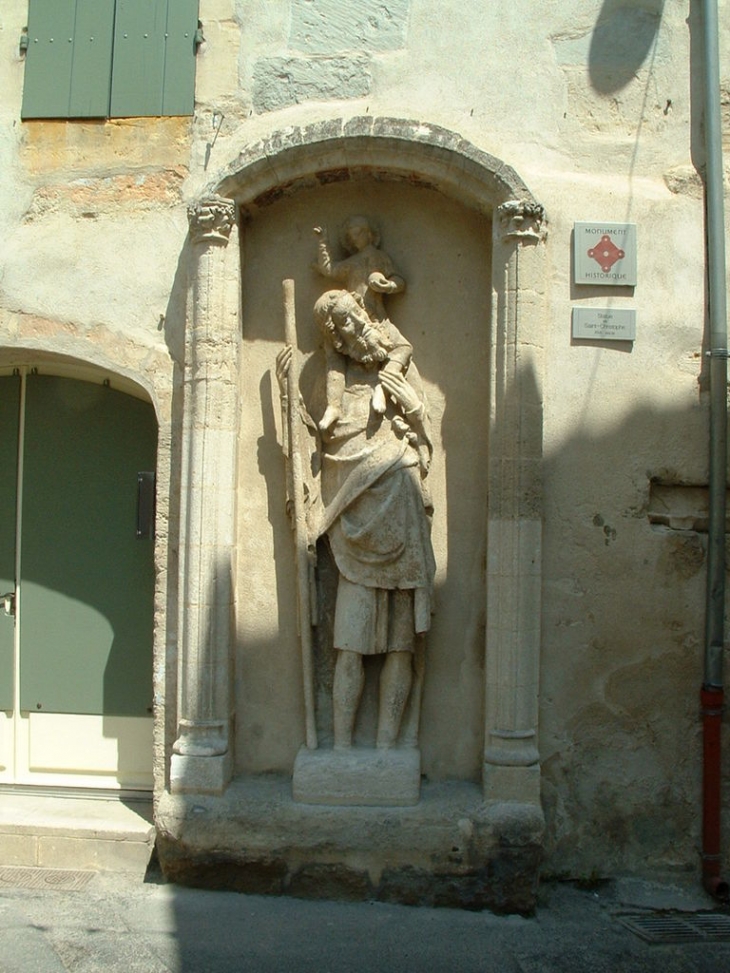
358, 337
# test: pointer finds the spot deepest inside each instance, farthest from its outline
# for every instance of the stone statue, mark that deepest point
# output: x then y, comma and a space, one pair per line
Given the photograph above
372, 500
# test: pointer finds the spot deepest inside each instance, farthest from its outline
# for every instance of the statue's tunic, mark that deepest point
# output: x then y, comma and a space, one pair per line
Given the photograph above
377, 519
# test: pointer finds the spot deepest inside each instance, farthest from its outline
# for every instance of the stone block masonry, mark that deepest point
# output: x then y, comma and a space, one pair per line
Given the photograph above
321, 64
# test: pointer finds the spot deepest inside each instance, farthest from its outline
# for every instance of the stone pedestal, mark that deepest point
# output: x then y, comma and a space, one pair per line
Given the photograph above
364, 777
450, 849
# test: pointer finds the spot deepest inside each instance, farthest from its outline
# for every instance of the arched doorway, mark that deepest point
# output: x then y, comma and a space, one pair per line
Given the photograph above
76, 569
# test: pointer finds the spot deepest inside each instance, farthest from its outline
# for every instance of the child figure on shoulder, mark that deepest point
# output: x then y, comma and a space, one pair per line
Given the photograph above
368, 273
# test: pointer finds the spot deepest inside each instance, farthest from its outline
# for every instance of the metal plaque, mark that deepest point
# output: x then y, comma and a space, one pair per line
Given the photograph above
604, 323
605, 253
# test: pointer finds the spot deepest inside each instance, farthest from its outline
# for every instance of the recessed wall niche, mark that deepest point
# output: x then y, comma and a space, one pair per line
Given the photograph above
443, 252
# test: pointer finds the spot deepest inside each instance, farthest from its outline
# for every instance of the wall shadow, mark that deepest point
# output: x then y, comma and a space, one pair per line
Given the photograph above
623, 38
623, 640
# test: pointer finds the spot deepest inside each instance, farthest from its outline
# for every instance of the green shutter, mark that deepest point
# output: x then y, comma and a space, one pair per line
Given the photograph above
154, 57
178, 94
92, 67
68, 64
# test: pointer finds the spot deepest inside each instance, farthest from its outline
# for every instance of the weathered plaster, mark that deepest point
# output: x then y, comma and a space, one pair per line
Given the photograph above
129, 294
104, 147
330, 27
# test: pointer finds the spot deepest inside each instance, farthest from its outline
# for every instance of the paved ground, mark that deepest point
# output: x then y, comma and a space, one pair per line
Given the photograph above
122, 923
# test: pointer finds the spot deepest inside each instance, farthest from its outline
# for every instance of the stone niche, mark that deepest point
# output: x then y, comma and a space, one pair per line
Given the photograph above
454, 818
443, 253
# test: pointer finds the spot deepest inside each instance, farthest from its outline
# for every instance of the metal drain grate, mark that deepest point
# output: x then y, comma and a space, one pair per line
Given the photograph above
678, 927
58, 879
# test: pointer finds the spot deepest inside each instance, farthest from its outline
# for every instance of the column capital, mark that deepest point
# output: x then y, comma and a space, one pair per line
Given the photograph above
211, 219
521, 219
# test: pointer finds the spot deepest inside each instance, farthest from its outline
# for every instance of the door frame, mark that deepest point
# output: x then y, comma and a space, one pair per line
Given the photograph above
16, 361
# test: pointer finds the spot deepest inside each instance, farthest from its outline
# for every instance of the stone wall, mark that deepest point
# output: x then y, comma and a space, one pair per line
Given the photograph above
597, 107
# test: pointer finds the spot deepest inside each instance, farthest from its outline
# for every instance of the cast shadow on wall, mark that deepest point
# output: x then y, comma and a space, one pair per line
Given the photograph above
624, 567
624, 36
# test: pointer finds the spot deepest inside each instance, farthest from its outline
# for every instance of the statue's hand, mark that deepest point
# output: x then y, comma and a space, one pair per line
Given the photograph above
380, 283
320, 231
283, 364
400, 391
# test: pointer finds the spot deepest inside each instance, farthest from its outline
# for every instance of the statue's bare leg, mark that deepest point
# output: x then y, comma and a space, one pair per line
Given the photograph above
395, 685
346, 693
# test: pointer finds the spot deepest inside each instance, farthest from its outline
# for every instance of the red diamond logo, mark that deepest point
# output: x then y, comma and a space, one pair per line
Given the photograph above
606, 253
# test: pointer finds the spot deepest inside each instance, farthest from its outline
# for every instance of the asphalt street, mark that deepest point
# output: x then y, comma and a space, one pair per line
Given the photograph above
119, 922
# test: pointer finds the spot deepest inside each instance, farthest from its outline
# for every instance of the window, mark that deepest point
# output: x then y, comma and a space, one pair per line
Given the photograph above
110, 58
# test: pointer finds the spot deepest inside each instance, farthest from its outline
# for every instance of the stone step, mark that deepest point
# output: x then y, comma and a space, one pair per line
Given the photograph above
51, 830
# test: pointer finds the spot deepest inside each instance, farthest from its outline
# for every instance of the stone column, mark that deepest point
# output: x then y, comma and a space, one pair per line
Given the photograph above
514, 532
202, 757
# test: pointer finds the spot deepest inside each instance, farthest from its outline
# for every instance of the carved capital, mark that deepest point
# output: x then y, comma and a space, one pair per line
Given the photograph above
211, 219
520, 219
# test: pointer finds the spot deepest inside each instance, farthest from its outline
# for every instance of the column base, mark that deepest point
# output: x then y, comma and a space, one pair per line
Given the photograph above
192, 774
202, 738
512, 784
364, 777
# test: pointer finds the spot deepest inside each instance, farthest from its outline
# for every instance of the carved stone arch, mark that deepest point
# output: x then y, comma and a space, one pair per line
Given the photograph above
130, 367
387, 149
371, 148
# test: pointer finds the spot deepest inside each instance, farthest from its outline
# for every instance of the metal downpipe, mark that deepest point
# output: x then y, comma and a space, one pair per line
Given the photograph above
712, 690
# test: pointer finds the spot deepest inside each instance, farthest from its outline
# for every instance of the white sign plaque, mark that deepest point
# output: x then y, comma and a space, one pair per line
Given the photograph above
605, 253
604, 323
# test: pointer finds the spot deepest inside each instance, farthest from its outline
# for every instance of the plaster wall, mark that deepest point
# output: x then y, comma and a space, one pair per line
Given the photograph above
597, 106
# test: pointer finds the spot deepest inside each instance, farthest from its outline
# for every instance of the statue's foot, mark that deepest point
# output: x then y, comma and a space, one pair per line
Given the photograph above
385, 744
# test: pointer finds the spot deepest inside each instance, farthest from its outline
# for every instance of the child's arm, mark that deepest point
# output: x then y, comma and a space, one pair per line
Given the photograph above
325, 264
399, 356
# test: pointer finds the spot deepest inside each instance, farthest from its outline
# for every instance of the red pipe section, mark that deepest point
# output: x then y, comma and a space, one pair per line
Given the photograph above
712, 698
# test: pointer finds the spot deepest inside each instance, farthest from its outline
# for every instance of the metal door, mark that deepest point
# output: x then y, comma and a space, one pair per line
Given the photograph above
80, 661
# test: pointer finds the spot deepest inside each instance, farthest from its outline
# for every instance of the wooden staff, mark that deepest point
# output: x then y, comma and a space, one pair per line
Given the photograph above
301, 533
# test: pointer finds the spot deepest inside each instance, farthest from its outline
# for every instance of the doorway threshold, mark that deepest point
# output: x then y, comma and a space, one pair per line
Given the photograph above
128, 796
46, 827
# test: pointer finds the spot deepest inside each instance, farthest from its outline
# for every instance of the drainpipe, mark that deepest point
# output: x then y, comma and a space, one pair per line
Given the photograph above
712, 689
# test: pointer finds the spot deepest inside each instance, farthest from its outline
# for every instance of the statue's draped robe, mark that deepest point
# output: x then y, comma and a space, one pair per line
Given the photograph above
376, 515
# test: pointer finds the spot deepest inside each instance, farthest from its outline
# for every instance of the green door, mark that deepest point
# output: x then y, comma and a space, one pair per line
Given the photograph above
86, 627
85, 589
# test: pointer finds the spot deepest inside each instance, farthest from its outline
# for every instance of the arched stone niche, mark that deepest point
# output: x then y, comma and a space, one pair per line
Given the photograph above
466, 231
